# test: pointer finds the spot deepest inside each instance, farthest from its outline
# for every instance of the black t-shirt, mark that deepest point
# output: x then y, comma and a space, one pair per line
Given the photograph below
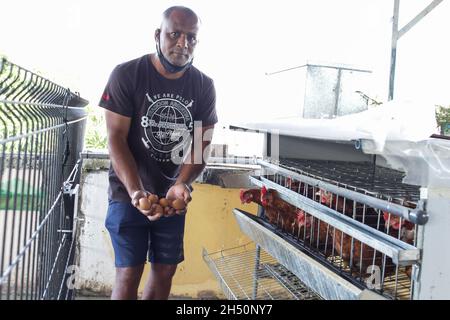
162, 113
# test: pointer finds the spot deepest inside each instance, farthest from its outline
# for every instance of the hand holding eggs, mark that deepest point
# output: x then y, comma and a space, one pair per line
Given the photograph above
161, 206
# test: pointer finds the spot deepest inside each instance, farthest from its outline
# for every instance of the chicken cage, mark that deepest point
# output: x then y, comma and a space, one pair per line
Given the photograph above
244, 278
345, 224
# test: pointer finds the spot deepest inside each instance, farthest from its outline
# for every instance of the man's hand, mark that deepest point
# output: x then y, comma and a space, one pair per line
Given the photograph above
152, 214
178, 191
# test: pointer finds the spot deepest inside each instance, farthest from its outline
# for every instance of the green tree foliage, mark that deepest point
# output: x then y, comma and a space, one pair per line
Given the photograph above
443, 119
96, 129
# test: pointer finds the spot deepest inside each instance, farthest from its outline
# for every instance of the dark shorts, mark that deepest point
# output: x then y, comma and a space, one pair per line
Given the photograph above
136, 239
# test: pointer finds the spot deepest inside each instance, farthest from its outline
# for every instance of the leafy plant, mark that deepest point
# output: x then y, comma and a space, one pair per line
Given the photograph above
96, 130
443, 119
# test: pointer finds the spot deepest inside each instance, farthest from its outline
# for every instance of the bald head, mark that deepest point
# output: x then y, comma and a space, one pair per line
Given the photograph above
180, 11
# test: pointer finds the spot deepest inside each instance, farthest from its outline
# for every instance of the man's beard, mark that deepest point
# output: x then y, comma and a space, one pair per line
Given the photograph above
171, 68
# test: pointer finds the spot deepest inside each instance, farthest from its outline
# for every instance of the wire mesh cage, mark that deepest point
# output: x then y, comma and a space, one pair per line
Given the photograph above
249, 273
367, 261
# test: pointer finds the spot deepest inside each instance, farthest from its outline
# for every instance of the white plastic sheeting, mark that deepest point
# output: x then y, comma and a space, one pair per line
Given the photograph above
398, 130
426, 162
405, 121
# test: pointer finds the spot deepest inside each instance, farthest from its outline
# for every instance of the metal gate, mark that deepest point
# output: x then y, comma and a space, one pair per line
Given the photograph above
42, 129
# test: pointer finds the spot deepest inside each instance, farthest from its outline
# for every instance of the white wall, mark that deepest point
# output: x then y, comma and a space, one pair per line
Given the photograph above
96, 256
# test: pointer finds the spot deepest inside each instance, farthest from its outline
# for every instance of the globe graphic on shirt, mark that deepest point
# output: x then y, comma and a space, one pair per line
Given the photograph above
167, 126
168, 115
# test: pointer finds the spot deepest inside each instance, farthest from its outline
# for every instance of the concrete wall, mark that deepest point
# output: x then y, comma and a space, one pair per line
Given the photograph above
210, 224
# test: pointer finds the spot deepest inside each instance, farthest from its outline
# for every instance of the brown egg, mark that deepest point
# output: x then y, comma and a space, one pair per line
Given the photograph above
153, 198
163, 202
178, 204
158, 210
144, 204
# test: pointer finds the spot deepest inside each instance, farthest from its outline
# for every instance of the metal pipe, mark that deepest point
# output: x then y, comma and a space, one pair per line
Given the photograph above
393, 48
337, 92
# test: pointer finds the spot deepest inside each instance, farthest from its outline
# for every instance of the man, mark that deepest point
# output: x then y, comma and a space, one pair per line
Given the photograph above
153, 107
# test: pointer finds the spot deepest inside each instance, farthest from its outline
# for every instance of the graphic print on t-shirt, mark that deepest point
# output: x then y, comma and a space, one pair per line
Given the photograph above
167, 125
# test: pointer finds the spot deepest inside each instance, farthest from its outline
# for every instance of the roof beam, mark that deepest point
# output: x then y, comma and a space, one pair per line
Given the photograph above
397, 34
419, 17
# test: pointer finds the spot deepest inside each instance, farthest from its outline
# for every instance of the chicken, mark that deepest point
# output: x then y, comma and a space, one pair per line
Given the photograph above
291, 219
299, 223
363, 256
250, 195
310, 228
407, 232
295, 185
408, 271
278, 210
300, 188
292, 184
393, 225
301, 218
353, 209
272, 214
337, 203
348, 249
254, 195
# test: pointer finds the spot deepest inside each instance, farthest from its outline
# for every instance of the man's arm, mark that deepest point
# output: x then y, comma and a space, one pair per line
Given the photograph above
122, 160
193, 165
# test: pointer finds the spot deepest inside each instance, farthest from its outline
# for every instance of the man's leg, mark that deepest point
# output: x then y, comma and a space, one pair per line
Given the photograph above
165, 253
159, 281
129, 231
127, 283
